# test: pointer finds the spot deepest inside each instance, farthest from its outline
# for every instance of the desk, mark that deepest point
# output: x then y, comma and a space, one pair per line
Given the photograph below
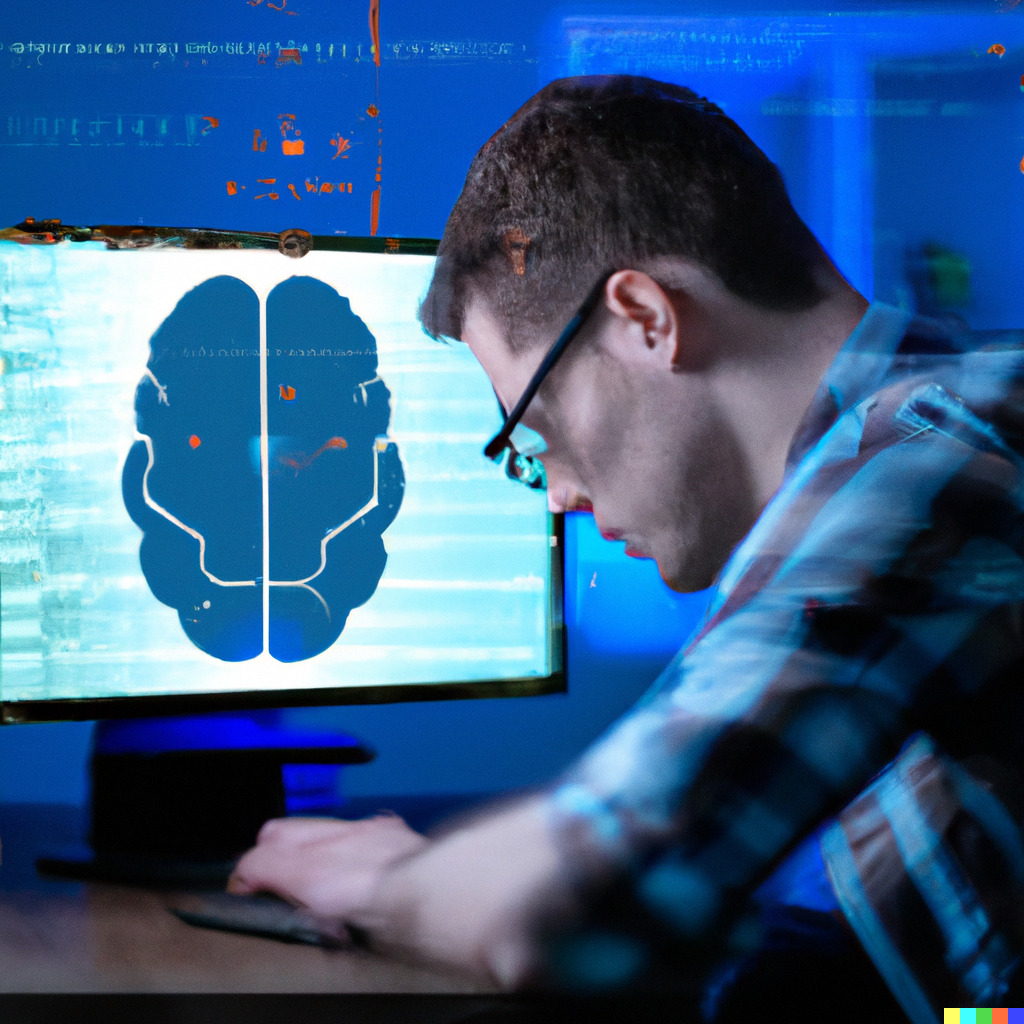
107, 938
137, 961
64, 937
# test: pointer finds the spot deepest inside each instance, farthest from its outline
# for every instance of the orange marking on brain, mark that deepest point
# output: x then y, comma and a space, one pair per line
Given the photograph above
300, 460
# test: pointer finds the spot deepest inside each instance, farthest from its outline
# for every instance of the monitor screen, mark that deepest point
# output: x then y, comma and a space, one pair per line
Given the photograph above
233, 479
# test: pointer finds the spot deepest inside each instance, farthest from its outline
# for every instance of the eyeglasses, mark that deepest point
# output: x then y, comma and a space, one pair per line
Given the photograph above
522, 444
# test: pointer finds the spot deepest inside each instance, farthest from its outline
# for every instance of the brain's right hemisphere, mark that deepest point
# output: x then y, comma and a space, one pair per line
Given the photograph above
252, 484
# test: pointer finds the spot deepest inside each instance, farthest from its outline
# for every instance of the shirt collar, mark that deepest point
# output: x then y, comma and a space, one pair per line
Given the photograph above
857, 370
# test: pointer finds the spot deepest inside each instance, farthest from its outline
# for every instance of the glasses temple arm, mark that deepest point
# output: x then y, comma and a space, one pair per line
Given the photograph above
501, 440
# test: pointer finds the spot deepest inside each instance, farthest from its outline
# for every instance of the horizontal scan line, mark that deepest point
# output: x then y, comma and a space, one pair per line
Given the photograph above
520, 583
444, 654
439, 437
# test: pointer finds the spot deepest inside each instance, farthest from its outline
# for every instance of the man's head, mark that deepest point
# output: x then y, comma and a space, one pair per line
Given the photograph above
595, 174
707, 269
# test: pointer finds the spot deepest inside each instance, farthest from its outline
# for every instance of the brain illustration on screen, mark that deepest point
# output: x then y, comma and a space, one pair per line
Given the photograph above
262, 478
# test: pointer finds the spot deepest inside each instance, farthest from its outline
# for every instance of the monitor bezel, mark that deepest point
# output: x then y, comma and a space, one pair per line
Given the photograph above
293, 243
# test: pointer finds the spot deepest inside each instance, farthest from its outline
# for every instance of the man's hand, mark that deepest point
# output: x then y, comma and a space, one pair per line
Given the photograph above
469, 899
327, 866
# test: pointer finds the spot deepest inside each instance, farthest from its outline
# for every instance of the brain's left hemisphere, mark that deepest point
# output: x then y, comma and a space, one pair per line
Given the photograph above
189, 483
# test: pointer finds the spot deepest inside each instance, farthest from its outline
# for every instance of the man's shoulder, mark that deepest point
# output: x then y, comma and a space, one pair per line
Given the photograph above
943, 370
953, 336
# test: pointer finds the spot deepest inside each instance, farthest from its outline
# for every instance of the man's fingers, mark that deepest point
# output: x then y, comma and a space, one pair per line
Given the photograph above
297, 831
239, 885
250, 873
300, 830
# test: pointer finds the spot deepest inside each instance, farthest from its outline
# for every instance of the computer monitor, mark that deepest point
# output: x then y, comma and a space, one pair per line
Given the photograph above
233, 479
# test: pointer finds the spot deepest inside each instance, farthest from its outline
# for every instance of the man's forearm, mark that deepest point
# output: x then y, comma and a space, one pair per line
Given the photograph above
472, 899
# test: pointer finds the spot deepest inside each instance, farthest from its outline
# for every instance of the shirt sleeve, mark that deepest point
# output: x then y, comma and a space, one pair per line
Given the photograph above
877, 585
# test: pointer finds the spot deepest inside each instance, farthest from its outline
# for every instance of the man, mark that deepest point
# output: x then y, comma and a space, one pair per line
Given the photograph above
731, 407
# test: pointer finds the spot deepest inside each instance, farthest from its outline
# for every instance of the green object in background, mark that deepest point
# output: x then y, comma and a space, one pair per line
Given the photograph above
949, 274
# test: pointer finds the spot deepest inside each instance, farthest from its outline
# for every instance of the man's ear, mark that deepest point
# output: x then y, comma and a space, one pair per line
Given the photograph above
673, 322
647, 314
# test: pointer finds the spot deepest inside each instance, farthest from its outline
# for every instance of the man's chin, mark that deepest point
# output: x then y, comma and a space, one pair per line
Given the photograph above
687, 579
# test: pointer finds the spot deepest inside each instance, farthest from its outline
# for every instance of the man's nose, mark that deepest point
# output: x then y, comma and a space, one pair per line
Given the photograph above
567, 499
556, 502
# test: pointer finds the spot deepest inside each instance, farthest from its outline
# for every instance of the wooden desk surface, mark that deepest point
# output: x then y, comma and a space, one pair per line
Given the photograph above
108, 938
96, 953
63, 937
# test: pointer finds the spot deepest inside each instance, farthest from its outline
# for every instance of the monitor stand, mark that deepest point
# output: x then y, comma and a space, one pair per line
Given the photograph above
175, 801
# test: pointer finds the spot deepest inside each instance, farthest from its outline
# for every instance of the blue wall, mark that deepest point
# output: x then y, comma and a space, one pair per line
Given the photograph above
885, 126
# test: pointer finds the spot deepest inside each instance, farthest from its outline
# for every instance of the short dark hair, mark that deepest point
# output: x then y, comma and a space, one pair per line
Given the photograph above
597, 174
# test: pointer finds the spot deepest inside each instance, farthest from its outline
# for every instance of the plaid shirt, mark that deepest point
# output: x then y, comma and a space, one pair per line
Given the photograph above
864, 643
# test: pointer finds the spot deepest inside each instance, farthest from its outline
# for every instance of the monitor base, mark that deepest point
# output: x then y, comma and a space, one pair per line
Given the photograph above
177, 801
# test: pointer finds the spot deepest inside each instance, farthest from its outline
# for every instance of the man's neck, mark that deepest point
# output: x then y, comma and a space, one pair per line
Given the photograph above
776, 362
